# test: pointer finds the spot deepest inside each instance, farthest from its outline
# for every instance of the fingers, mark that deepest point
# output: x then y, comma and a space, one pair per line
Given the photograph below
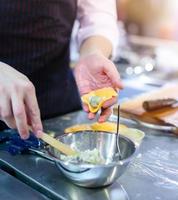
33, 112
20, 116
91, 115
109, 102
18, 103
105, 113
113, 74
10, 122
12, 112
6, 111
106, 110
85, 107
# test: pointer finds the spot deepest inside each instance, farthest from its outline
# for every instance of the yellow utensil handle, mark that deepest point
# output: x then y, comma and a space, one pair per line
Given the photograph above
65, 149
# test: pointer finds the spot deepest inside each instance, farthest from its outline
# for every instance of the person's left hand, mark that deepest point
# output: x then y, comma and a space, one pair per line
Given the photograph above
93, 72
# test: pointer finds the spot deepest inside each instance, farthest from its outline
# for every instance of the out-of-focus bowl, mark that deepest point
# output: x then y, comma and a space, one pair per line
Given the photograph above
90, 175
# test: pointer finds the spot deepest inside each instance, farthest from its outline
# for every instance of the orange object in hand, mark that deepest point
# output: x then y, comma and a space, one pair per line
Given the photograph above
95, 99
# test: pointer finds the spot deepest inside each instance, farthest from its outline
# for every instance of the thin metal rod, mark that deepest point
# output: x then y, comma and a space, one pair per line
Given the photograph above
117, 133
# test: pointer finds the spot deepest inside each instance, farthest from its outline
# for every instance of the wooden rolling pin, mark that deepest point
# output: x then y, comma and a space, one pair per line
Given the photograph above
152, 105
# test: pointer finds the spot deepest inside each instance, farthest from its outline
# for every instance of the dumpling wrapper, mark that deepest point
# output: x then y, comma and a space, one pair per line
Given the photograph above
106, 126
104, 93
111, 127
77, 128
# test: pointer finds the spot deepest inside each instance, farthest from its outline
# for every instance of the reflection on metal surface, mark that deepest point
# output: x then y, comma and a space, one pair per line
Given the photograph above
90, 175
157, 148
65, 190
117, 193
13, 189
120, 193
164, 171
29, 181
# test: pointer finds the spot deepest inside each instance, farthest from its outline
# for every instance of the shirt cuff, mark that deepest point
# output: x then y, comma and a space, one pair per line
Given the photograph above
108, 30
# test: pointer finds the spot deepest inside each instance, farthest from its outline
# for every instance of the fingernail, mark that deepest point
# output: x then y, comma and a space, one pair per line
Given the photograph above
121, 85
37, 129
24, 137
90, 116
85, 109
101, 119
117, 89
39, 134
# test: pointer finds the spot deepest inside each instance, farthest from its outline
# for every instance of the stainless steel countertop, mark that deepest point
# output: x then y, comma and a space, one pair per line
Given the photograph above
146, 178
11, 188
152, 176
44, 176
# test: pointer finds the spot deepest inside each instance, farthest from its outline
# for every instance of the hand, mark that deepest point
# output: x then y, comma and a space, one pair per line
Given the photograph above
95, 71
18, 104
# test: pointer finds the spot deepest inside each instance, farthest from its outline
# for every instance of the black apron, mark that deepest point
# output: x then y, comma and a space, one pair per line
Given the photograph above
34, 39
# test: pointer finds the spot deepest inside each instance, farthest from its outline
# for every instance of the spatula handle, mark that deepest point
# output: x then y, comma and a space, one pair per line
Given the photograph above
65, 149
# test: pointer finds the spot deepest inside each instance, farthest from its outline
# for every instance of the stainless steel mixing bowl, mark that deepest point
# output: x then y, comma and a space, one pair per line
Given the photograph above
89, 175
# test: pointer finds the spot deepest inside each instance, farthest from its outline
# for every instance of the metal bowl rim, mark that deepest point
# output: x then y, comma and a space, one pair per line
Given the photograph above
115, 163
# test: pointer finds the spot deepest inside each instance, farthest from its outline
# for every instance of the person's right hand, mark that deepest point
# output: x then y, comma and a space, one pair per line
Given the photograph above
18, 103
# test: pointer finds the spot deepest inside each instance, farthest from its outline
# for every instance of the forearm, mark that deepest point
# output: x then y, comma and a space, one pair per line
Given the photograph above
96, 44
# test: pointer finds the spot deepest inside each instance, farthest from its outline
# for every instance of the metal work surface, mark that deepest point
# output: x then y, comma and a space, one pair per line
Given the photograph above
44, 176
152, 175
11, 188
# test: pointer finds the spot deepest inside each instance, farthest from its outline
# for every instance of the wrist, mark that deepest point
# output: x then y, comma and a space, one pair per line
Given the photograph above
92, 52
96, 45
89, 52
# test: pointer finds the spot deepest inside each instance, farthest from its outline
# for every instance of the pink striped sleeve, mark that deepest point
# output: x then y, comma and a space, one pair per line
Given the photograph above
98, 17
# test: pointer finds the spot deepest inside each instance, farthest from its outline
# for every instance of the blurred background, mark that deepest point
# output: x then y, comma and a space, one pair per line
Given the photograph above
151, 18
148, 42
148, 38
